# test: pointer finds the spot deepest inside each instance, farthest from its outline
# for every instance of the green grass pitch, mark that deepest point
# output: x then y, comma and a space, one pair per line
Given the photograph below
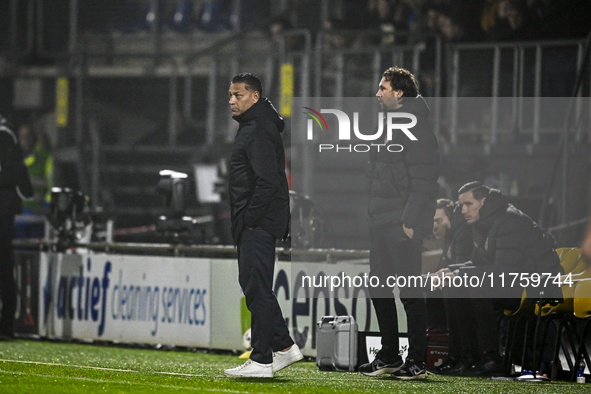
41, 367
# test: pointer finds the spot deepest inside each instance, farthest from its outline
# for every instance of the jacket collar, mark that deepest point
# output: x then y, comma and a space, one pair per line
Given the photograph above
494, 206
261, 109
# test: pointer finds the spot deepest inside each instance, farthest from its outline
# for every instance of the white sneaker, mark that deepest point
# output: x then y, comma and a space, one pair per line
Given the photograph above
250, 369
286, 358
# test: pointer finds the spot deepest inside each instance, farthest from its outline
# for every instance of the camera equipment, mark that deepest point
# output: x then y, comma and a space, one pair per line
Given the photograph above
69, 214
176, 188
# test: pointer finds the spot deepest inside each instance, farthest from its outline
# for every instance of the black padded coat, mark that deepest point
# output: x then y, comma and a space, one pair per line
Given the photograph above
403, 186
259, 194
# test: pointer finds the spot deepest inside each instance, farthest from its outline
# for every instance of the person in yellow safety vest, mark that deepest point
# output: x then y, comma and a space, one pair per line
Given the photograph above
39, 162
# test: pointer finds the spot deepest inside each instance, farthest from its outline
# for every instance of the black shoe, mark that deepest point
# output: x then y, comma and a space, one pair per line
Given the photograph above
458, 369
446, 366
378, 367
488, 366
6, 336
411, 370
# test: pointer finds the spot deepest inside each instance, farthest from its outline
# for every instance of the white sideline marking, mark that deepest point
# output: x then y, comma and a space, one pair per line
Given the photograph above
98, 368
65, 365
116, 381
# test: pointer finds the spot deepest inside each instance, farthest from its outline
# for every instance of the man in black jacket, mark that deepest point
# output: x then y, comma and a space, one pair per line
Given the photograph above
15, 184
259, 199
402, 198
506, 241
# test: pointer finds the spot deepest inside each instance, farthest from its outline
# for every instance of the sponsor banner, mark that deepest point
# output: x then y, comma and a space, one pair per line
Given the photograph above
182, 301
226, 301
137, 299
303, 307
372, 344
27, 282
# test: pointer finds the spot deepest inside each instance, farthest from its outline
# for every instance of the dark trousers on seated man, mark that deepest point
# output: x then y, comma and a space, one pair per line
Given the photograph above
463, 349
485, 309
392, 254
256, 262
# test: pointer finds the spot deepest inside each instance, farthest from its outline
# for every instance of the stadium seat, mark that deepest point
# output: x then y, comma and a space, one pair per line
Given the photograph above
149, 16
576, 269
513, 320
218, 15
183, 19
128, 17
576, 266
528, 313
214, 16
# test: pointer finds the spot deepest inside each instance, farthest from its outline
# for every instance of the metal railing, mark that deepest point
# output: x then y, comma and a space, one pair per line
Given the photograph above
525, 70
330, 255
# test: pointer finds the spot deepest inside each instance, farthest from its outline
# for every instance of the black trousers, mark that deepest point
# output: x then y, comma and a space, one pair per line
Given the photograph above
486, 306
393, 253
7, 281
462, 326
256, 263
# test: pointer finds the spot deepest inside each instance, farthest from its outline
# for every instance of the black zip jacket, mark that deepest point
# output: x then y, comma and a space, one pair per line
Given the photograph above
259, 194
403, 186
14, 177
507, 240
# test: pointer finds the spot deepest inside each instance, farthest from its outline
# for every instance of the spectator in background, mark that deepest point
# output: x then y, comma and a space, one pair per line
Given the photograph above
458, 21
417, 22
559, 18
508, 20
391, 19
277, 27
39, 162
535, 19
449, 27
14, 185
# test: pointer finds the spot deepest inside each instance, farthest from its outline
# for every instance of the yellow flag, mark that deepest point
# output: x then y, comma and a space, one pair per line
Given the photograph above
286, 90
61, 101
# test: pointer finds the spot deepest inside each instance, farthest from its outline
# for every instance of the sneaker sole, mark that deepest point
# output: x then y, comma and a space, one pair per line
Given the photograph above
416, 377
381, 371
261, 375
288, 362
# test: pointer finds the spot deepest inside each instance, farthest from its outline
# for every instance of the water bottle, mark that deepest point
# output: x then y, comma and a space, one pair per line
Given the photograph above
581, 371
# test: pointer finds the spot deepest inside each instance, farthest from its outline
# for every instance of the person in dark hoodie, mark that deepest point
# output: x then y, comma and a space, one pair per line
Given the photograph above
507, 241
15, 185
450, 226
259, 200
402, 191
